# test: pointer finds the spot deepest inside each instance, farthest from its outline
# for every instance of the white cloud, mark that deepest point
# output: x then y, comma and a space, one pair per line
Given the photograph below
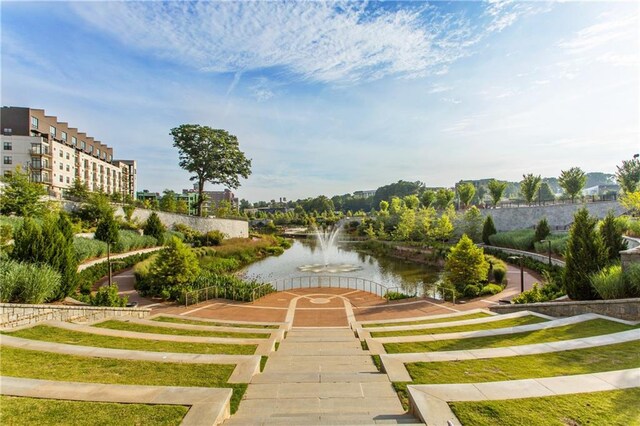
504, 13
611, 29
317, 41
439, 88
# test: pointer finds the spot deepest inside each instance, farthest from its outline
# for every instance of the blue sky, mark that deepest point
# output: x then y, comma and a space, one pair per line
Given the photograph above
330, 98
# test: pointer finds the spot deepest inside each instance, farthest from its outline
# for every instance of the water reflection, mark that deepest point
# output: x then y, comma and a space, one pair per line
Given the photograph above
390, 272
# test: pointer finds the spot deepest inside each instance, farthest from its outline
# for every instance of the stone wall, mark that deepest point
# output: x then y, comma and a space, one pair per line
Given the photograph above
14, 315
559, 216
630, 256
231, 227
627, 309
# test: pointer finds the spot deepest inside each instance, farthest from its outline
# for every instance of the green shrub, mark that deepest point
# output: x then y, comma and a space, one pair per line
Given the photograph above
274, 251
632, 277
585, 255
221, 286
153, 227
558, 244
107, 295
488, 229
520, 240
612, 237
499, 274
609, 283
23, 282
542, 230
107, 230
548, 290
173, 270
211, 238
396, 295
490, 289
170, 234
132, 240
555, 272
190, 234
87, 248
472, 290
219, 265
465, 265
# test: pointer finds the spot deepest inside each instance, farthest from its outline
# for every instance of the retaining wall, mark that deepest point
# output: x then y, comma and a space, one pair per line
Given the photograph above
18, 315
231, 227
627, 309
559, 216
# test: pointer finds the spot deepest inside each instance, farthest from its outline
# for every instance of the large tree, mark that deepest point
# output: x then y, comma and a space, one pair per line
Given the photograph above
585, 254
212, 155
496, 189
572, 181
21, 196
466, 191
628, 175
529, 186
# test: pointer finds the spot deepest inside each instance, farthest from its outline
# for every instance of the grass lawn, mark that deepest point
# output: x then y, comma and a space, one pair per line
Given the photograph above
143, 328
211, 324
37, 411
60, 335
590, 328
619, 407
51, 366
510, 322
620, 356
429, 321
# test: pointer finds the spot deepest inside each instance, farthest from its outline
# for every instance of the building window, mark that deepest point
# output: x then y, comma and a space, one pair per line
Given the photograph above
67, 167
67, 155
63, 136
61, 154
83, 144
7, 159
61, 166
74, 141
7, 146
98, 153
67, 179
109, 158
34, 122
61, 179
52, 130
90, 149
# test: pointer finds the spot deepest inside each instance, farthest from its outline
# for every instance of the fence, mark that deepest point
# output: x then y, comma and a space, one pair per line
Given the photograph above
290, 283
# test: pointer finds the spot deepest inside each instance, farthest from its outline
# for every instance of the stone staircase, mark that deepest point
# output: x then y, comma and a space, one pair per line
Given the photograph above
320, 376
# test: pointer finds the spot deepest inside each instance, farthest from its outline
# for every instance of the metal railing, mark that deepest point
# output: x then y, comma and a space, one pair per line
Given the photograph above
289, 283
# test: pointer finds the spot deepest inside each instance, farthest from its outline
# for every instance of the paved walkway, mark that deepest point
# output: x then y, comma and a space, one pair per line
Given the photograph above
320, 376
114, 256
431, 401
208, 406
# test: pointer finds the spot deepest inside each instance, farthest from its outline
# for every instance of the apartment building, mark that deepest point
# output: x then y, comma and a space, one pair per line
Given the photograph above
55, 154
213, 198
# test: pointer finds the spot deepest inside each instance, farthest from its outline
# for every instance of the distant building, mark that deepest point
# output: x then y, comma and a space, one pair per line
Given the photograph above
55, 154
213, 198
600, 190
145, 195
364, 194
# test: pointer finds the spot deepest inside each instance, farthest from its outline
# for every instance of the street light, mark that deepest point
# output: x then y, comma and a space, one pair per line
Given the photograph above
548, 249
521, 271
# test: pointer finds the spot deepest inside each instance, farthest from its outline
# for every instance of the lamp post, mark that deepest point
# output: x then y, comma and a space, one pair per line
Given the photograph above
548, 249
521, 271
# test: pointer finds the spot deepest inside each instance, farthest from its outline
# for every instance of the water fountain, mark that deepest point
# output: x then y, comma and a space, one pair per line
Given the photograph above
327, 239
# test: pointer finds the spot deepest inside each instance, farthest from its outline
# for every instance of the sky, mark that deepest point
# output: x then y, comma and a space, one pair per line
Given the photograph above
335, 97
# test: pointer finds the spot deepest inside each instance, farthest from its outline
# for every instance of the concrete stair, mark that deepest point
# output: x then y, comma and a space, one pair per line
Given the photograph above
320, 376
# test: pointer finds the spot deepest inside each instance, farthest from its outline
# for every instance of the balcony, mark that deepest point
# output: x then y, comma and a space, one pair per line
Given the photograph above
36, 177
40, 165
39, 150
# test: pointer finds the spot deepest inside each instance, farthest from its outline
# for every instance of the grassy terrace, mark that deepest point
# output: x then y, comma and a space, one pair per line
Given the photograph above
143, 328
37, 411
60, 335
429, 321
618, 407
51, 366
620, 356
511, 322
211, 324
590, 328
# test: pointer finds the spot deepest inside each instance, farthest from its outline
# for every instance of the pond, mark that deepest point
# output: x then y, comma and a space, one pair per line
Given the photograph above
298, 261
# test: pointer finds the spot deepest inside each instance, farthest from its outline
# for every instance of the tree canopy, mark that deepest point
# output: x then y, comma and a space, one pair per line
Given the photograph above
529, 186
628, 175
20, 196
212, 155
496, 190
572, 181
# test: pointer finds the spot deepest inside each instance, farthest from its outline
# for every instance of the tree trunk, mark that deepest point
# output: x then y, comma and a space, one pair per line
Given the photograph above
200, 198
